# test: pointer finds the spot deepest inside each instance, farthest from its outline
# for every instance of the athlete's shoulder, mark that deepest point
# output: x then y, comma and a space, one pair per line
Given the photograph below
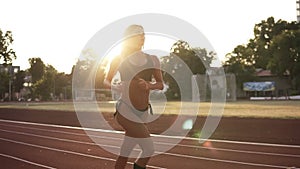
155, 60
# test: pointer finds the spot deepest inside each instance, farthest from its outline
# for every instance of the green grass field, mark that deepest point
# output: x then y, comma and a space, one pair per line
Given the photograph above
244, 109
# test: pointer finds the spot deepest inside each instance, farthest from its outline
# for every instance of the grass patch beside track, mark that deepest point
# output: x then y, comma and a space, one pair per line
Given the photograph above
256, 109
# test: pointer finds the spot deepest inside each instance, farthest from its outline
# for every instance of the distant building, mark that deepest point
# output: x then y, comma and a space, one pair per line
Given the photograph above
267, 85
214, 85
11, 71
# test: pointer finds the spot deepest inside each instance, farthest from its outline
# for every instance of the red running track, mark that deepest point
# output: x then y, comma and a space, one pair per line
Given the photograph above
40, 145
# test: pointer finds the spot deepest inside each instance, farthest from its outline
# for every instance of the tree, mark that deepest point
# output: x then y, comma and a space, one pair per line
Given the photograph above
7, 54
285, 50
48, 83
6, 51
37, 69
100, 75
264, 34
19, 81
88, 73
44, 88
197, 60
275, 46
241, 63
53, 85
62, 85
85, 70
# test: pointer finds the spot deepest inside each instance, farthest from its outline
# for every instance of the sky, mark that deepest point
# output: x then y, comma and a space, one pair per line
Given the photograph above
57, 30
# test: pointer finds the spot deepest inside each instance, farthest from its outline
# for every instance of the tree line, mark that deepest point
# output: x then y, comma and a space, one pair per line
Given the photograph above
275, 46
40, 81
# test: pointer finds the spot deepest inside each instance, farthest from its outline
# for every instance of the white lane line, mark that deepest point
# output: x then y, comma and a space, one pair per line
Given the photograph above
163, 153
228, 161
61, 139
154, 135
161, 143
26, 161
69, 152
238, 151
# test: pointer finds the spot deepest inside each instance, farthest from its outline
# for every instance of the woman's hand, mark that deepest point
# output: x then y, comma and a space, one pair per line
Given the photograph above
117, 87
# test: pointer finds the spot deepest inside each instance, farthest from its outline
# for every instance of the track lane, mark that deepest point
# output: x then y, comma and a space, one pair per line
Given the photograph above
175, 156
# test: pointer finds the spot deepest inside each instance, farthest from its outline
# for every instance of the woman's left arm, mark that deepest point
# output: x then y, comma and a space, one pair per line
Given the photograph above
157, 76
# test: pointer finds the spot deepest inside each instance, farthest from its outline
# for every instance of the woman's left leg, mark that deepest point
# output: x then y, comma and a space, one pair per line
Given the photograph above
136, 133
147, 147
126, 149
129, 143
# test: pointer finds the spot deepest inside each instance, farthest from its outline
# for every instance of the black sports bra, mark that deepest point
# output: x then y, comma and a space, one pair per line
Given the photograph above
129, 71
